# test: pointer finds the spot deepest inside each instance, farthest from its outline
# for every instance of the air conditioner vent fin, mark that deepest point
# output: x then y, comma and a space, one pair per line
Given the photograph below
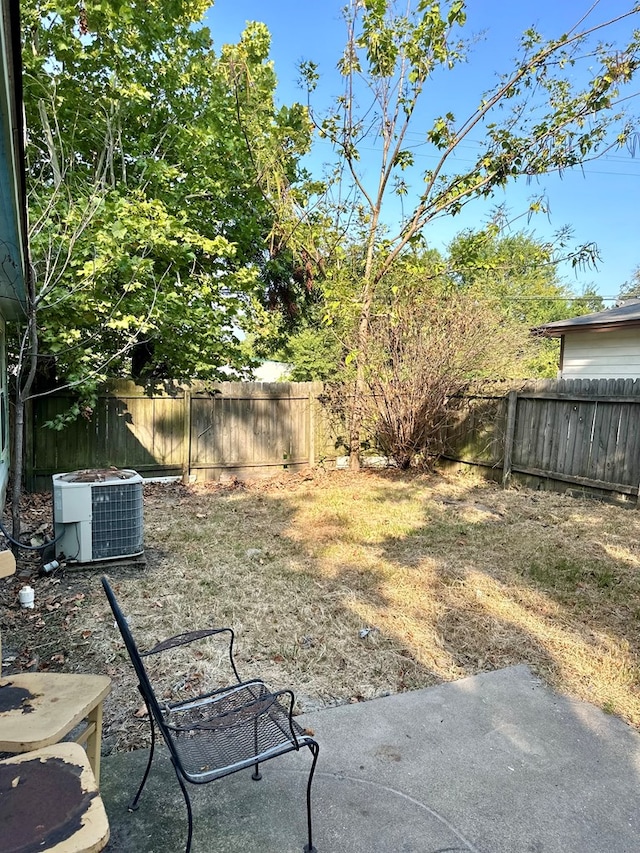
117, 520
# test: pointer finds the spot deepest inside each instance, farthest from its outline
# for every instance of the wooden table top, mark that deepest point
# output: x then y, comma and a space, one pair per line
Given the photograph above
49, 801
40, 708
7, 564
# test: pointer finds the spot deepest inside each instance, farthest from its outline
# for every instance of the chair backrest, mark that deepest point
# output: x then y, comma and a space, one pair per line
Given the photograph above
144, 683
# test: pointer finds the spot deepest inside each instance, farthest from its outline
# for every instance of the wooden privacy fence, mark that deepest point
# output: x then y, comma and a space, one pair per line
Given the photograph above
239, 429
581, 432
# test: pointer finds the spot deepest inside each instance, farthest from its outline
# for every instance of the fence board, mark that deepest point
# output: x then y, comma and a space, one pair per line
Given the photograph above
550, 442
576, 436
612, 447
630, 462
530, 424
538, 438
564, 434
522, 444
600, 436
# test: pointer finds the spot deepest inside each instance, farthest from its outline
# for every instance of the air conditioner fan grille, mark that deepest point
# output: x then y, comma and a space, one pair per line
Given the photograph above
117, 526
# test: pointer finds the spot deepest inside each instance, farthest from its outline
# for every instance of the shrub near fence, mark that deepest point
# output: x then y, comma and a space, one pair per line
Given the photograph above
243, 429
582, 433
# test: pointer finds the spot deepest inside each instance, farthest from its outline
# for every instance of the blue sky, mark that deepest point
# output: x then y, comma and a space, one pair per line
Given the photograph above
599, 202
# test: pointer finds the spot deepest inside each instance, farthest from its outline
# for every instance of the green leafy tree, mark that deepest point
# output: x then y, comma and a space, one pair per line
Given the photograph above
518, 276
158, 175
538, 118
315, 353
631, 289
164, 163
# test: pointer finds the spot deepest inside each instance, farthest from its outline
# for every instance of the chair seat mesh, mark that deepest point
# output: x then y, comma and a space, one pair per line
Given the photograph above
241, 726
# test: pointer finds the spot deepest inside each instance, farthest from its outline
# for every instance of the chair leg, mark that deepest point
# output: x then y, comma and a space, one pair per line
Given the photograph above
256, 775
134, 803
315, 749
187, 800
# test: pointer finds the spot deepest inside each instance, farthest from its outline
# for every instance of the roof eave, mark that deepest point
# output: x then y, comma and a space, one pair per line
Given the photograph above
557, 331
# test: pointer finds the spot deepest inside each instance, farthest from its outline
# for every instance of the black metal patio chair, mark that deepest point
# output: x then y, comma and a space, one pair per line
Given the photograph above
220, 732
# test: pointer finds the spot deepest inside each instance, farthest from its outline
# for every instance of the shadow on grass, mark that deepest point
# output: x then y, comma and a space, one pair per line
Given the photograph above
349, 587
525, 578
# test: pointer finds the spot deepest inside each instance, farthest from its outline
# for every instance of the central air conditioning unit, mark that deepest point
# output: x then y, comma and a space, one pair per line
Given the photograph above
98, 515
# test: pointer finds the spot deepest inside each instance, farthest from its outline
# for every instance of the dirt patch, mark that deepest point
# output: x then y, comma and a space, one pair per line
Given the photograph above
345, 587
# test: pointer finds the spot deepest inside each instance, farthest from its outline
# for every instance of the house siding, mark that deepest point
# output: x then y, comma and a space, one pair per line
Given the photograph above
12, 209
607, 354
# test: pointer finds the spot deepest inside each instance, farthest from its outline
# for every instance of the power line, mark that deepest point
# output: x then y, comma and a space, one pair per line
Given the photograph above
558, 298
584, 167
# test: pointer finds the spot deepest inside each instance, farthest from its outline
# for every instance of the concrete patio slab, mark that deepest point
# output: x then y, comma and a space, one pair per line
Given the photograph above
495, 763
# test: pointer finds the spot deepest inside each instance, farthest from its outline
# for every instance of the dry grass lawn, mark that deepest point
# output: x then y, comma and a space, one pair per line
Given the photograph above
345, 587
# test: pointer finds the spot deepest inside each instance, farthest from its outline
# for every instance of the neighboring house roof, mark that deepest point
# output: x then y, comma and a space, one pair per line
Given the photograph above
13, 215
625, 315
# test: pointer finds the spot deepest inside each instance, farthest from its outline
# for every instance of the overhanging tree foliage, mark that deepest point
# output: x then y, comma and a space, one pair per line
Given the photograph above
157, 172
537, 119
160, 160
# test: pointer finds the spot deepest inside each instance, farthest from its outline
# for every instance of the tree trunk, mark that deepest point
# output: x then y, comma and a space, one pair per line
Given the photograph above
357, 415
17, 458
358, 407
26, 372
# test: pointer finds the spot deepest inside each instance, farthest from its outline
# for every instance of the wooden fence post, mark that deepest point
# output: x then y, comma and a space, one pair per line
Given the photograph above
512, 404
186, 438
